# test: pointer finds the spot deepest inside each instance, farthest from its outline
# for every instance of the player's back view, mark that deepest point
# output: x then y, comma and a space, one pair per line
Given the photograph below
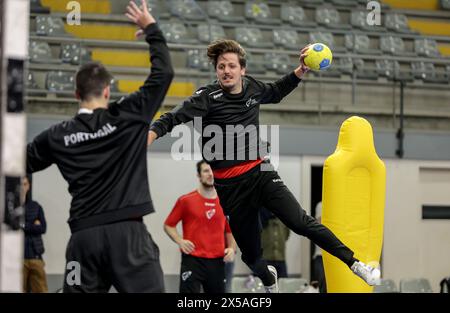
102, 154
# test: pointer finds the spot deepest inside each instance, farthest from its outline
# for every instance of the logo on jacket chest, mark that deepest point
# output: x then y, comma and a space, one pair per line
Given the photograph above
250, 102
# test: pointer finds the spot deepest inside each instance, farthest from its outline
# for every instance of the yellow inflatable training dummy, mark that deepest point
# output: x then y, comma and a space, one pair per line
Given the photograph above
354, 184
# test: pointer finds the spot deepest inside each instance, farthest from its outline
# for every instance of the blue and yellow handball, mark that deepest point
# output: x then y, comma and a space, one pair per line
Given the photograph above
318, 57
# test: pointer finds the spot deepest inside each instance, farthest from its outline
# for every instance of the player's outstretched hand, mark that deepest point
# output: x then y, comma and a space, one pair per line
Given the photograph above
140, 16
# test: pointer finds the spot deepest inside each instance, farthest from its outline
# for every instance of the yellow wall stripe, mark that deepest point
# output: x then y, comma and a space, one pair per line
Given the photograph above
444, 49
428, 27
176, 89
121, 57
414, 4
87, 6
102, 31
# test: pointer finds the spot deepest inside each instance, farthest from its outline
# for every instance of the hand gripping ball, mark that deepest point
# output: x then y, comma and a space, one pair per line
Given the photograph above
318, 57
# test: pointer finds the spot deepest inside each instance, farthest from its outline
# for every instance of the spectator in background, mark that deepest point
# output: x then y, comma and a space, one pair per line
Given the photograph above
34, 277
206, 243
318, 270
273, 240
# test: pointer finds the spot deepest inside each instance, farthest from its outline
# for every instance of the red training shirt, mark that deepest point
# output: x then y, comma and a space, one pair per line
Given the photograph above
204, 224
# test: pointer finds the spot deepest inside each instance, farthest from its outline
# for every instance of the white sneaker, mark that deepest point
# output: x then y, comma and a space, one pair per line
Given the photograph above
274, 287
371, 275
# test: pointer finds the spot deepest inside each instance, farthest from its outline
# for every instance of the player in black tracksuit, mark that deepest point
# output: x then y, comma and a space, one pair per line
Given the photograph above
235, 99
102, 154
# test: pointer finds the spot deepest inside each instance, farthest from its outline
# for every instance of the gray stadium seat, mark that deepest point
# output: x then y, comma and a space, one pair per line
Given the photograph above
326, 38
31, 81
385, 286
186, 9
251, 37
243, 285
347, 65
394, 45
36, 7
286, 38
278, 62
59, 81
176, 32
397, 23
50, 26
292, 285
427, 72
197, 59
358, 19
445, 4
208, 32
295, 15
387, 68
329, 17
255, 64
259, 12
114, 86
158, 10
426, 47
359, 44
40, 52
224, 11
74, 54
415, 285
311, 3
363, 72
345, 3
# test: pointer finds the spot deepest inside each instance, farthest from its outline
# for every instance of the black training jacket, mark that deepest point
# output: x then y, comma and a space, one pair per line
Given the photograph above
102, 154
219, 110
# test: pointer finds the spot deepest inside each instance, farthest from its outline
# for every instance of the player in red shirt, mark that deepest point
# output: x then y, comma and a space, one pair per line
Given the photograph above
203, 242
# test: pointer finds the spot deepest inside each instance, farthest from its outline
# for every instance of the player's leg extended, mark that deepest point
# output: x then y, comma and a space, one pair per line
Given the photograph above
276, 197
243, 217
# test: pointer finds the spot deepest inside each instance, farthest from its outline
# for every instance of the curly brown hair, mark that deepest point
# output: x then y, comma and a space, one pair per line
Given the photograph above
221, 46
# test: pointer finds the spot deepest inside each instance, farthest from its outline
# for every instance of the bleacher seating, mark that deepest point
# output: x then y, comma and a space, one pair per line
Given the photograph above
40, 52
50, 26
394, 45
208, 33
278, 62
359, 44
186, 9
59, 81
259, 12
31, 81
426, 47
397, 23
329, 17
223, 10
295, 15
254, 64
176, 32
445, 4
286, 38
74, 54
358, 19
427, 72
251, 37
198, 60
189, 25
